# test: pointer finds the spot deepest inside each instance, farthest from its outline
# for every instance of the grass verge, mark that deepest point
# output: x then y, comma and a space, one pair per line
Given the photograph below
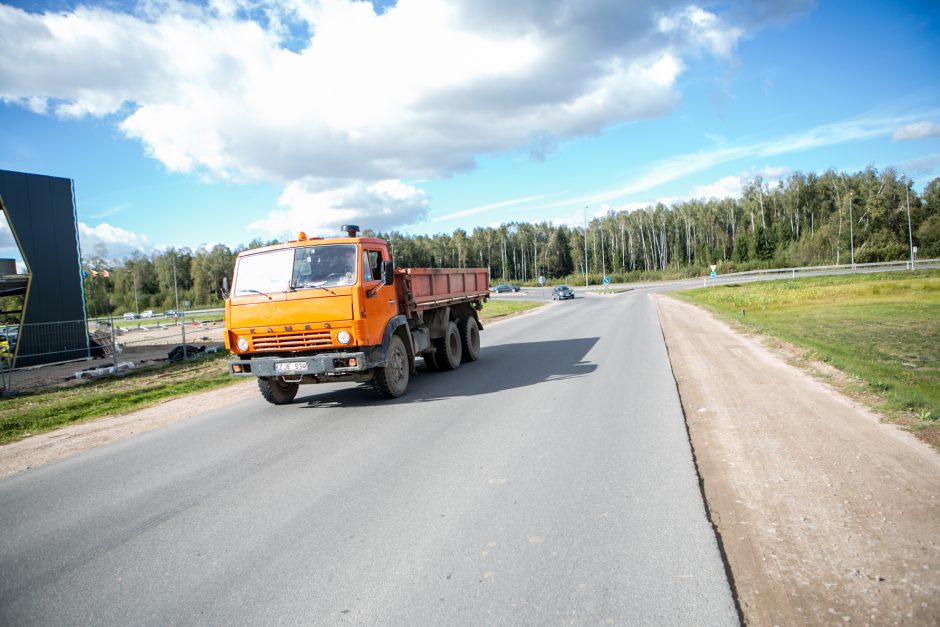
38, 412
495, 309
882, 330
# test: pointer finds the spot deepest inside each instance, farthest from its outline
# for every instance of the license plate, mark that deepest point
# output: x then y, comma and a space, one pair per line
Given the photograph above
291, 366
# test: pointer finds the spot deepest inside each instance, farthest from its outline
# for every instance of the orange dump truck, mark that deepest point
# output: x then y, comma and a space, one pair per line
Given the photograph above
326, 310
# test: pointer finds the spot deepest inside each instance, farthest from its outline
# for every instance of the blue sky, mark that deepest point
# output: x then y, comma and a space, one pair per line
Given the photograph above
186, 124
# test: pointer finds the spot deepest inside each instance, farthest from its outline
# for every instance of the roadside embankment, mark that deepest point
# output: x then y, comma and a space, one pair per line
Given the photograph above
826, 515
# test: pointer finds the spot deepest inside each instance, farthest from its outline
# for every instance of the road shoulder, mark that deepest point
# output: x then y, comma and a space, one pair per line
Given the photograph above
825, 514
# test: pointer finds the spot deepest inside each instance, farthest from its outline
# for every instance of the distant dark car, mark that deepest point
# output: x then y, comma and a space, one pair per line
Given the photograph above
562, 292
499, 289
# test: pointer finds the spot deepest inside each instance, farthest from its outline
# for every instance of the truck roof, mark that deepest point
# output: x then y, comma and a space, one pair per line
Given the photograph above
314, 241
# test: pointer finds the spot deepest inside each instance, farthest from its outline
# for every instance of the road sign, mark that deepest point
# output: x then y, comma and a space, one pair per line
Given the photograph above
713, 268
541, 280
713, 275
606, 280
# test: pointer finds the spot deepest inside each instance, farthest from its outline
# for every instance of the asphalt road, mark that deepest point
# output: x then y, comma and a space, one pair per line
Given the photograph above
550, 482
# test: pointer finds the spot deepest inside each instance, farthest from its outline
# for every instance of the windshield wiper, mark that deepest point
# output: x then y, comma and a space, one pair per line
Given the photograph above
254, 292
309, 286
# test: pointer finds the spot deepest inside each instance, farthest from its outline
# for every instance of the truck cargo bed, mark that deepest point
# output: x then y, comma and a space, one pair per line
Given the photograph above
425, 288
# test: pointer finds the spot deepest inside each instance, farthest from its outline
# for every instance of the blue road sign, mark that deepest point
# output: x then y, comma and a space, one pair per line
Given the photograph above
606, 280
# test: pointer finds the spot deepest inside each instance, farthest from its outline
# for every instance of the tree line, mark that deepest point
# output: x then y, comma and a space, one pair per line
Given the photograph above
807, 219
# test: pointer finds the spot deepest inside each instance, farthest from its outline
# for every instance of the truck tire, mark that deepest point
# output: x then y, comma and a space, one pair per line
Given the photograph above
277, 391
449, 348
391, 381
469, 338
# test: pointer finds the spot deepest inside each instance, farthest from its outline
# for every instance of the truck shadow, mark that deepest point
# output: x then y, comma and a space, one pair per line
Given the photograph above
501, 367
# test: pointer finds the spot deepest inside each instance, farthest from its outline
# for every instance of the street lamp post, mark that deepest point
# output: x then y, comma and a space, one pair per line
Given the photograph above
175, 288
910, 236
584, 213
851, 233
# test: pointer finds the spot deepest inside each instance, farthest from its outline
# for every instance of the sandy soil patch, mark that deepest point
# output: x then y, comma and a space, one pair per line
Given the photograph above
826, 515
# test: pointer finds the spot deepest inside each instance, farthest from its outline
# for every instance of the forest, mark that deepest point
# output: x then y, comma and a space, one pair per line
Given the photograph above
805, 220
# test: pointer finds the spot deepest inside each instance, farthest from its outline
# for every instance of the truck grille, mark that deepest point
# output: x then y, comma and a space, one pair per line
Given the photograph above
292, 341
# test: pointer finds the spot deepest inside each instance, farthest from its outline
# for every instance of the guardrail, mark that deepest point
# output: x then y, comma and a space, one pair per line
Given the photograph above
849, 268
774, 273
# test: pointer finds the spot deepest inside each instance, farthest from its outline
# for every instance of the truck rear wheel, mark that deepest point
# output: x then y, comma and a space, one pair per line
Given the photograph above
392, 380
277, 391
449, 348
470, 338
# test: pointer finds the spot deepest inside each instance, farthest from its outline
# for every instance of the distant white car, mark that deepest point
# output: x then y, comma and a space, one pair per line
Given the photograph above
147, 314
130, 315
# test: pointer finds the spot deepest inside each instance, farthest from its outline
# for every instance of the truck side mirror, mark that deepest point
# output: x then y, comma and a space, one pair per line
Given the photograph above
223, 291
388, 272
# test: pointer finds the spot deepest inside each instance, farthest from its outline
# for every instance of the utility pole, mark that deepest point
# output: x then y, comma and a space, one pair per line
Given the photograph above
584, 215
851, 232
910, 236
175, 288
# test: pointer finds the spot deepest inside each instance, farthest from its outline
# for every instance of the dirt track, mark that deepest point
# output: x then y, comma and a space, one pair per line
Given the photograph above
826, 515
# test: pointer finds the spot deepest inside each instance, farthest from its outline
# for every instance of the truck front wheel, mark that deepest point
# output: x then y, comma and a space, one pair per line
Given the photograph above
277, 391
392, 380
449, 348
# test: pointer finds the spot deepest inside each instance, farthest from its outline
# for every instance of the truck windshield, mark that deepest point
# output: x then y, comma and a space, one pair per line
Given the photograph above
326, 265
263, 273
309, 267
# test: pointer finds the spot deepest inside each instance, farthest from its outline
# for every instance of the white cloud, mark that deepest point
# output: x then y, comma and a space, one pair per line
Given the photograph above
7, 240
726, 187
916, 130
702, 29
774, 172
377, 206
416, 92
680, 166
119, 242
927, 166
489, 207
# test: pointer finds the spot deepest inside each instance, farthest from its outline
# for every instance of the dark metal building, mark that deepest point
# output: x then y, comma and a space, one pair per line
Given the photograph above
42, 217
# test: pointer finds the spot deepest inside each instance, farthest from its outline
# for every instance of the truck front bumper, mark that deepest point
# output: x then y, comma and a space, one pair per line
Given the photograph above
295, 367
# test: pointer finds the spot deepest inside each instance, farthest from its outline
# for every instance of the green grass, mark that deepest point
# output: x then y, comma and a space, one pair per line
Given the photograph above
29, 414
882, 329
499, 308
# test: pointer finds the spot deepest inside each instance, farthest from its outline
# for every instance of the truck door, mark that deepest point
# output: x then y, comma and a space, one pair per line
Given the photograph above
382, 305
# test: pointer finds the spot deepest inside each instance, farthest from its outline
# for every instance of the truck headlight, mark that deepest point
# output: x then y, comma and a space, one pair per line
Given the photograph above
343, 337
242, 344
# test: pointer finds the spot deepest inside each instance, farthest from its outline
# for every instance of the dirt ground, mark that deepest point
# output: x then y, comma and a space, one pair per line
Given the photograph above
825, 514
